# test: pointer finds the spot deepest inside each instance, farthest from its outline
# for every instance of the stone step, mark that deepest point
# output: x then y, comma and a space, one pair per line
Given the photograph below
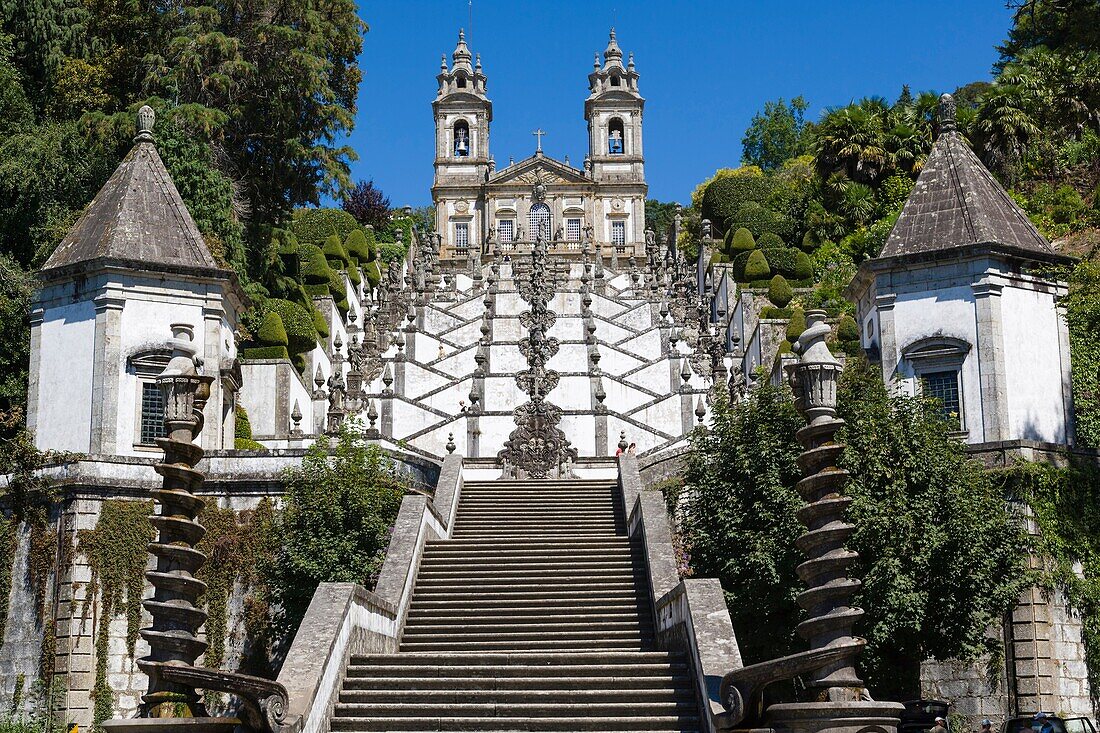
512, 630
532, 591
559, 724
629, 660
582, 543
459, 696
501, 534
556, 575
480, 618
536, 709
622, 604
538, 569
525, 645
396, 682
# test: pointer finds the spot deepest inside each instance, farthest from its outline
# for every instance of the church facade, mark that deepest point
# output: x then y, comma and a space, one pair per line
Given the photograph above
476, 203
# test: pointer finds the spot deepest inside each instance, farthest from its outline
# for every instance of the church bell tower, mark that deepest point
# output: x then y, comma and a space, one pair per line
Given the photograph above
462, 161
613, 111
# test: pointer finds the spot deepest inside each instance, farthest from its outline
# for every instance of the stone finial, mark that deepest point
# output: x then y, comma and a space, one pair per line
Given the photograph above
146, 118
443, 63
451, 443
612, 51
596, 60
946, 114
296, 421
623, 445
700, 410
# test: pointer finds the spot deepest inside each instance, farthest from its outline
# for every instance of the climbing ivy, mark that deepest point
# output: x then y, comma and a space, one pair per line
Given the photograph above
1065, 502
8, 537
236, 545
116, 552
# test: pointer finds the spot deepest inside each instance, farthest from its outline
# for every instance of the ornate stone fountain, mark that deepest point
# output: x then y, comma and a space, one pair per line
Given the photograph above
837, 701
172, 702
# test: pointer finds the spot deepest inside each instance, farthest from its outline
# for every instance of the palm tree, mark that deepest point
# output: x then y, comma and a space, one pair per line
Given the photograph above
1004, 124
850, 140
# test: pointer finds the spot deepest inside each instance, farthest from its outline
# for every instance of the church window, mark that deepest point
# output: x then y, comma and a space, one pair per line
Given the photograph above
615, 81
615, 136
618, 234
152, 414
462, 139
944, 386
461, 84
506, 231
573, 230
538, 221
462, 235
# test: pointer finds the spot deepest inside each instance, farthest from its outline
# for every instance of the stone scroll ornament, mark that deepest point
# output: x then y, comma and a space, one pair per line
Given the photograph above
172, 701
537, 446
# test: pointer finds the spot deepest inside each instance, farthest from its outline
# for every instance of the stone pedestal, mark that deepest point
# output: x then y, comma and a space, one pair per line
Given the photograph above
865, 716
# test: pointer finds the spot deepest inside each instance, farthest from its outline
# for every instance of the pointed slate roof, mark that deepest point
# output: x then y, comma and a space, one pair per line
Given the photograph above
957, 202
137, 218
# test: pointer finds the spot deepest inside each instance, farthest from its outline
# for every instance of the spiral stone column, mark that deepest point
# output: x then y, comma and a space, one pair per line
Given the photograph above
838, 701
173, 636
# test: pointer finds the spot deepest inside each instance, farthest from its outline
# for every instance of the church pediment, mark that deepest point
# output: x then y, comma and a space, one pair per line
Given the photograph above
539, 168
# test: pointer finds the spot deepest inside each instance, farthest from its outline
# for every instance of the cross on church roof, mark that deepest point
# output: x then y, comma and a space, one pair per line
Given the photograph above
538, 135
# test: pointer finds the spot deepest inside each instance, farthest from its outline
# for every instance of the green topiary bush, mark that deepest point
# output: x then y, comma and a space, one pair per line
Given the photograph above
770, 311
335, 253
315, 268
755, 267
779, 291
271, 331
724, 196
784, 348
242, 427
847, 329
796, 325
770, 240
250, 353
372, 243
739, 240
781, 260
320, 323
358, 248
803, 266
301, 334
758, 218
247, 444
373, 273
285, 242
314, 226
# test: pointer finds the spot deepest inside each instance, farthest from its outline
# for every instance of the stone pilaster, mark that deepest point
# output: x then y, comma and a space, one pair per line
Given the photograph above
888, 343
991, 368
106, 365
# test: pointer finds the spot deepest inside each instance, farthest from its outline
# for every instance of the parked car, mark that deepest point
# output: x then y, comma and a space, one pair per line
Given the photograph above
920, 715
1049, 723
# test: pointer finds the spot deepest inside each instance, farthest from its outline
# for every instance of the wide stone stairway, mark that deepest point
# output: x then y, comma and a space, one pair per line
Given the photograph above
534, 616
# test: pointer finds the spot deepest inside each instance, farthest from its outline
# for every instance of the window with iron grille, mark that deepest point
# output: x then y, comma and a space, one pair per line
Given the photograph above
944, 386
618, 233
539, 221
506, 230
462, 235
573, 230
152, 413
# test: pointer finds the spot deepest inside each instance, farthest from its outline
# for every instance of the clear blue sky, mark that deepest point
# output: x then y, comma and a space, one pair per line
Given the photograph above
706, 67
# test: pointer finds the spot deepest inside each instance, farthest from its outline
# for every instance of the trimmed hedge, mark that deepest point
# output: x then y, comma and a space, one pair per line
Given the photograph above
263, 352
314, 226
317, 290
796, 325
803, 266
756, 266
315, 268
847, 329
770, 240
781, 260
770, 311
759, 219
739, 240
320, 323
780, 292
301, 334
242, 428
247, 444
724, 196
358, 248
373, 274
285, 242
271, 331
335, 253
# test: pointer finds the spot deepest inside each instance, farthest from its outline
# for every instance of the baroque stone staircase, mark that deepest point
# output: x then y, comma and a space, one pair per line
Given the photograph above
534, 616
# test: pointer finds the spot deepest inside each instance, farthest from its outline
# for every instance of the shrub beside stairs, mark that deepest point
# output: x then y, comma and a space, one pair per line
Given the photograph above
534, 616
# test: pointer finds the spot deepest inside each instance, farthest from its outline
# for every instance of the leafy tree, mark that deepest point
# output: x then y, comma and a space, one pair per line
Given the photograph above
940, 557
16, 287
776, 134
335, 524
367, 204
1082, 305
659, 215
739, 516
851, 140
1071, 25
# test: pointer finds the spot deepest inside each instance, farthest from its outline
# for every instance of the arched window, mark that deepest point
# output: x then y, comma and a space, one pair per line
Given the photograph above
615, 81
462, 139
461, 83
538, 221
615, 135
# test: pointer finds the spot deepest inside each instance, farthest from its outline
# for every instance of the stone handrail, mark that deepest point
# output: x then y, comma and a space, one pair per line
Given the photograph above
345, 619
690, 615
